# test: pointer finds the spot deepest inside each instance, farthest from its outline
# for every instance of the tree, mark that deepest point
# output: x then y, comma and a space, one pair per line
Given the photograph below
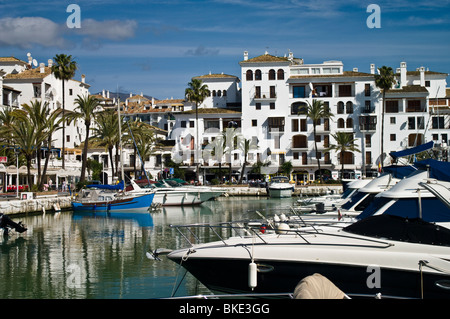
64, 69
106, 133
196, 93
245, 145
316, 111
286, 168
384, 80
344, 143
85, 110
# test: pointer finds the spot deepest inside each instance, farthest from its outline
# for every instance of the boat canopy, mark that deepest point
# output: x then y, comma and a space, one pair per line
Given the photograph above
412, 150
119, 186
438, 170
399, 171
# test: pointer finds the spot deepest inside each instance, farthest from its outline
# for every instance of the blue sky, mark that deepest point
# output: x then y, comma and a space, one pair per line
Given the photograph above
156, 47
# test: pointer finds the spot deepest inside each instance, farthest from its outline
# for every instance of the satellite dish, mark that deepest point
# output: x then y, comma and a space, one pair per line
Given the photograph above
35, 62
28, 54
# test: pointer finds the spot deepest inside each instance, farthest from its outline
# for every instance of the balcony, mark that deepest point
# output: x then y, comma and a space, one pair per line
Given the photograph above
265, 96
367, 123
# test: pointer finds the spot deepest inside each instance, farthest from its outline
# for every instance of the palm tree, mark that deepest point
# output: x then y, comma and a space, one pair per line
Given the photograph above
245, 145
85, 110
316, 111
344, 143
105, 132
384, 80
64, 69
7, 118
26, 137
196, 93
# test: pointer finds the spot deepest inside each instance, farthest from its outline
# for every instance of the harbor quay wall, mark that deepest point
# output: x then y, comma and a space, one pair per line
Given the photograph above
35, 205
310, 190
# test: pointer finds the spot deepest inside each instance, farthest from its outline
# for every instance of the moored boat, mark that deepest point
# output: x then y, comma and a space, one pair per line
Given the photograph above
279, 187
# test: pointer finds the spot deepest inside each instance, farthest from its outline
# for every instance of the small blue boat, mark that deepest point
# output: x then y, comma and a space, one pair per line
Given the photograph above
111, 198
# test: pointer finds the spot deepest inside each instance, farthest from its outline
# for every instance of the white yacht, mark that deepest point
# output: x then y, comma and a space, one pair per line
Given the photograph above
401, 248
279, 187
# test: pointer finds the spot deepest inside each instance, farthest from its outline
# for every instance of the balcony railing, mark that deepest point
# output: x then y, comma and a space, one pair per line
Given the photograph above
266, 96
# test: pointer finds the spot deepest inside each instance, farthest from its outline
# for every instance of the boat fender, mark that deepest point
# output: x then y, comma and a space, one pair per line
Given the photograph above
282, 228
283, 217
252, 275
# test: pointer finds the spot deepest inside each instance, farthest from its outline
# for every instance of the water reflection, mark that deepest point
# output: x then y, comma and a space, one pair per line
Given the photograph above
101, 255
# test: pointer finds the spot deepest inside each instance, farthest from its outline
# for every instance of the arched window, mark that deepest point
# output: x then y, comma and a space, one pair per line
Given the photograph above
258, 75
299, 108
340, 123
271, 74
280, 74
224, 92
349, 122
219, 93
340, 108
249, 75
214, 93
349, 107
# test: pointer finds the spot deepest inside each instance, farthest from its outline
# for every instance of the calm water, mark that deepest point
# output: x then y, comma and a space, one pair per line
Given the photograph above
70, 255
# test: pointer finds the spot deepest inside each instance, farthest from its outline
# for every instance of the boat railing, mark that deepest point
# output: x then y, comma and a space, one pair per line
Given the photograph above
201, 233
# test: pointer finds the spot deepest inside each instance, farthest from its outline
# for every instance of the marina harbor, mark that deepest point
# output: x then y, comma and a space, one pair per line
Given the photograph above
224, 150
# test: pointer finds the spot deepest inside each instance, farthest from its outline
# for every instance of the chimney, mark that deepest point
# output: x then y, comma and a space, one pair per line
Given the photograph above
142, 94
403, 79
291, 56
30, 58
107, 94
372, 68
131, 94
42, 67
422, 76
50, 63
83, 78
245, 55
103, 93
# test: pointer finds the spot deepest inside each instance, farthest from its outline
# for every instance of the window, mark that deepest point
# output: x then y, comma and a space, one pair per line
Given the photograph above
414, 106
367, 89
298, 92
345, 90
420, 122
299, 141
70, 91
258, 106
368, 107
254, 122
280, 74
427, 84
219, 93
340, 123
415, 139
299, 108
258, 76
318, 138
276, 124
437, 122
272, 106
68, 138
392, 119
183, 124
368, 157
349, 123
303, 126
340, 108
304, 158
294, 125
393, 137
326, 141
272, 74
249, 75
224, 92
273, 94
349, 107
257, 92
191, 124
295, 155
368, 140
392, 106
411, 123
315, 70
214, 93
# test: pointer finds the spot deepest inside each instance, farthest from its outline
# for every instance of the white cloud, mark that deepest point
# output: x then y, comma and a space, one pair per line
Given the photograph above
28, 31
109, 29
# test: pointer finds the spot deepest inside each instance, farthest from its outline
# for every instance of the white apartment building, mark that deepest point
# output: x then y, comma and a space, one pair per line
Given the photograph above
275, 89
26, 83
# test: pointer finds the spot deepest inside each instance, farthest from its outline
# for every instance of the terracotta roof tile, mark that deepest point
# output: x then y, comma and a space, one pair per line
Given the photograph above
30, 74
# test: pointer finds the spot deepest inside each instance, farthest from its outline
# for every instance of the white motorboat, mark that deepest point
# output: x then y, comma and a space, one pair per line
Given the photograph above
401, 249
178, 196
279, 187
